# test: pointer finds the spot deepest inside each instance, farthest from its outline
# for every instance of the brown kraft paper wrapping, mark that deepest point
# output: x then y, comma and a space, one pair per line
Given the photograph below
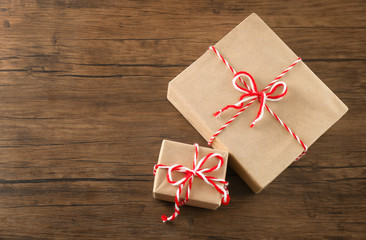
202, 195
261, 153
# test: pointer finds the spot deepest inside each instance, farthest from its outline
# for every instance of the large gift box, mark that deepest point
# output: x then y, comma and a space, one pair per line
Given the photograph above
201, 194
300, 107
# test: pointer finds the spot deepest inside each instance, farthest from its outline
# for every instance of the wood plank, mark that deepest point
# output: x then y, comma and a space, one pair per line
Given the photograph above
65, 51
130, 16
63, 206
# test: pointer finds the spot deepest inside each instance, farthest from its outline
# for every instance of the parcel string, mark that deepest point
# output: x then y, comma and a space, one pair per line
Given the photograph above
197, 171
251, 94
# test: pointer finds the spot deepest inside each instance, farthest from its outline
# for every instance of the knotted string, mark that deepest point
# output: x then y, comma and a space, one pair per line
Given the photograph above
196, 171
251, 94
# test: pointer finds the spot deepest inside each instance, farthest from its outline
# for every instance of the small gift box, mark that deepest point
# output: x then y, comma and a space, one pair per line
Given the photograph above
272, 107
192, 175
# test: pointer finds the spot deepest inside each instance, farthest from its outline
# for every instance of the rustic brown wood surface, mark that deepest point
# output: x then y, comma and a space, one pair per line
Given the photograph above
83, 111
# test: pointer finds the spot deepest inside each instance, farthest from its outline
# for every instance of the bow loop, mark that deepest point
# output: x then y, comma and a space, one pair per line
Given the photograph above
246, 88
209, 157
272, 90
176, 168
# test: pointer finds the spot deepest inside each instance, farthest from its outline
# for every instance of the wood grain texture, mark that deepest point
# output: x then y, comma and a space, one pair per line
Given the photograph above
83, 111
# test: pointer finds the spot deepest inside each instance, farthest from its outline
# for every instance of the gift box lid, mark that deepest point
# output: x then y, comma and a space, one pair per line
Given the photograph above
261, 153
202, 195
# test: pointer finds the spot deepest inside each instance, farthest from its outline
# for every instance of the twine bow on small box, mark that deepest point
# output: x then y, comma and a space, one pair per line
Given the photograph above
196, 171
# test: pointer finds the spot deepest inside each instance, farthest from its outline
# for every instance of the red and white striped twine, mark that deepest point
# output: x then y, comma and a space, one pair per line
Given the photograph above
196, 171
251, 94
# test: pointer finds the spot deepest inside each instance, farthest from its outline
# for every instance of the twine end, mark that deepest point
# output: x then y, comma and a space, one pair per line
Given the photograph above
217, 114
227, 200
164, 218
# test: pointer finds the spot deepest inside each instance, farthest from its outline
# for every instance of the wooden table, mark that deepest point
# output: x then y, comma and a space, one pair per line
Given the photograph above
83, 111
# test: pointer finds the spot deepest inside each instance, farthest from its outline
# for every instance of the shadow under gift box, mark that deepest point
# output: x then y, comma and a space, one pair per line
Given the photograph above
202, 195
261, 153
